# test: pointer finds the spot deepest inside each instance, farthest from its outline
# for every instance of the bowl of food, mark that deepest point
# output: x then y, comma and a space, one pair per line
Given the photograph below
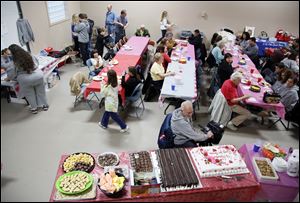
80, 161
74, 182
108, 159
255, 88
112, 183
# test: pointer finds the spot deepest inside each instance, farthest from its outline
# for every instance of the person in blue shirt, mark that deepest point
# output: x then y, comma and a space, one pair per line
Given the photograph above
121, 24
110, 21
217, 52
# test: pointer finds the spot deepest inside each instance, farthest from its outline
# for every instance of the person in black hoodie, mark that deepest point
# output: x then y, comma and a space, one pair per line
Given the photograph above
131, 82
225, 68
196, 40
102, 40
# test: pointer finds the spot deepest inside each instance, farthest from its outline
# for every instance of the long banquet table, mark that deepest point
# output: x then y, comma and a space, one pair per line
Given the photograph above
243, 89
213, 188
125, 59
285, 189
186, 73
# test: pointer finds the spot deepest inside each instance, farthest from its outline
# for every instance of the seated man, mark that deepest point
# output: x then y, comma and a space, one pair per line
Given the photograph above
181, 126
252, 49
229, 90
142, 32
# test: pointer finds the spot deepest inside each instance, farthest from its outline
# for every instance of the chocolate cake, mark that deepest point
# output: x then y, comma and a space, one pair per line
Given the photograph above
141, 161
177, 172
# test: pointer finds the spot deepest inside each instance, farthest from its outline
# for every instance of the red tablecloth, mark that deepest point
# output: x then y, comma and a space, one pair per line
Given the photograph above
213, 188
138, 44
285, 189
257, 97
124, 62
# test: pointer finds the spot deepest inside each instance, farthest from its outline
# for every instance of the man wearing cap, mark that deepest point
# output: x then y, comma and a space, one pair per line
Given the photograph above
142, 31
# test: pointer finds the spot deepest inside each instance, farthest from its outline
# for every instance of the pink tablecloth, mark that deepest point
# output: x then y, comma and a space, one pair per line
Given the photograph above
124, 63
138, 44
257, 97
285, 189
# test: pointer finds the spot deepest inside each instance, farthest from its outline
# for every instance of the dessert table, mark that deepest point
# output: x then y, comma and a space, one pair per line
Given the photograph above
214, 189
243, 89
138, 45
285, 189
185, 75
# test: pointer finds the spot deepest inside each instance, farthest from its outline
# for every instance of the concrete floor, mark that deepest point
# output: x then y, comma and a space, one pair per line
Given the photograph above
31, 145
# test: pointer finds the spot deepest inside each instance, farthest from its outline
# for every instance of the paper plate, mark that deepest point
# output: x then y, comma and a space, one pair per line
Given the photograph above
98, 78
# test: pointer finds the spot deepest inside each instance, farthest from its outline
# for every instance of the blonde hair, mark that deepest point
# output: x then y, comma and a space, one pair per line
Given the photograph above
74, 17
157, 56
163, 15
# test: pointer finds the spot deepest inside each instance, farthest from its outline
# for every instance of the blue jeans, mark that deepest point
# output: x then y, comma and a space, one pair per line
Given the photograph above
115, 116
111, 30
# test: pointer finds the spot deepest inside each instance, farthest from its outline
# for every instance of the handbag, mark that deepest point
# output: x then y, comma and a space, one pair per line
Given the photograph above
271, 98
216, 129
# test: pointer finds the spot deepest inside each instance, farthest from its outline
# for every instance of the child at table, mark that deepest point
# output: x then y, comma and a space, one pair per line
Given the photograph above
110, 92
97, 62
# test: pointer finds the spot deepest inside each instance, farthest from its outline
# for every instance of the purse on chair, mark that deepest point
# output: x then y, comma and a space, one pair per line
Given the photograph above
216, 129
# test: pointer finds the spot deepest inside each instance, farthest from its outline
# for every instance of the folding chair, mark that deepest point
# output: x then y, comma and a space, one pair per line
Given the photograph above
79, 97
135, 97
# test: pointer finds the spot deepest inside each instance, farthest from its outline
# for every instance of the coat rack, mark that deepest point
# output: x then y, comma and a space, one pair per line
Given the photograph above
21, 17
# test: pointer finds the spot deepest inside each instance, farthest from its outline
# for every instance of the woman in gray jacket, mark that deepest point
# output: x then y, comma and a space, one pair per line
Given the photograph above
30, 78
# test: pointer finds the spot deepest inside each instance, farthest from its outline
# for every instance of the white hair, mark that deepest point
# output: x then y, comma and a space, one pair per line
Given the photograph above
157, 56
221, 44
186, 104
236, 75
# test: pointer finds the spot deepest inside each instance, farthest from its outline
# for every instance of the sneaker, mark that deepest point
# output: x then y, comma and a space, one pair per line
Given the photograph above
34, 111
260, 119
102, 126
45, 108
124, 130
266, 121
82, 65
231, 126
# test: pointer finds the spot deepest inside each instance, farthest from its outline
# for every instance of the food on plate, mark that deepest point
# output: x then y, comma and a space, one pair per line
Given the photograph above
264, 84
108, 159
182, 60
255, 88
79, 161
74, 182
242, 62
111, 182
270, 151
114, 61
265, 168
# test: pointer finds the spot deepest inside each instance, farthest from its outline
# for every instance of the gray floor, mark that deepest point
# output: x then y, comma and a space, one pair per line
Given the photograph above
31, 145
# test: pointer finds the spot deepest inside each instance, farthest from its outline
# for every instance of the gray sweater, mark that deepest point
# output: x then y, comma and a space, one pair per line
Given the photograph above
251, 51
82, 29
24, 31
183, 129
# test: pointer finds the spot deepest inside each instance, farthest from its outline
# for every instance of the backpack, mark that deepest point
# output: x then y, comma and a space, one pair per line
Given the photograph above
91, 23
211, 61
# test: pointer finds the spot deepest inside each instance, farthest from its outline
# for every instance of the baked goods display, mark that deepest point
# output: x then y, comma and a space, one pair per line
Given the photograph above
108, 159
141, 161
255, 88
74, 182
79, 162
176, 170
264, 169
218, 160
111, 182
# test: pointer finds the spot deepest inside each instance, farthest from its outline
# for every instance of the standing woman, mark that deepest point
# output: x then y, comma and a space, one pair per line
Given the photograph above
30, 78
164, 24
110, 93
75, 20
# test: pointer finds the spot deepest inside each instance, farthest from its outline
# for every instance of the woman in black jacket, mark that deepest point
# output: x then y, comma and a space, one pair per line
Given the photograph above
102, 40
225, 69
131, 82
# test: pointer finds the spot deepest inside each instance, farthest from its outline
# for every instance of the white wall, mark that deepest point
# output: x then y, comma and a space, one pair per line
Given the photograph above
268, 16
9, 17
57, 36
